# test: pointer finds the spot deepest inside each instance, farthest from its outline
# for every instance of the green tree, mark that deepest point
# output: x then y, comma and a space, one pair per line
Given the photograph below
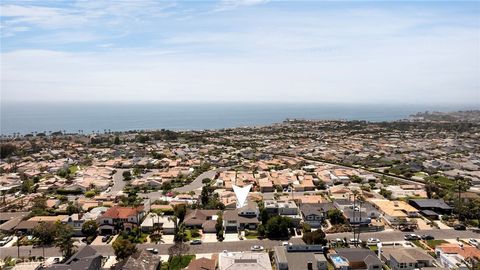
89, 228
261, 231
386, 193
335, 216
180, 211
314, 238
7, 149
278, 227
219, 227
123, 248
72, 209
117, 140
205, 195
64, 240
127, 176
90, 194
180, 234
45, 232
27, 186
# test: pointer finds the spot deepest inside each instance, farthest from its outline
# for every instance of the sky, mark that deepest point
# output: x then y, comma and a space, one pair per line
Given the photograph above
241, 50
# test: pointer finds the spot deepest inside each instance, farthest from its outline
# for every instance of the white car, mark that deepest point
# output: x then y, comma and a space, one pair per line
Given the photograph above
474, 242
152, 250
257, 248
286, 244
373, 241
355, 241
5, 240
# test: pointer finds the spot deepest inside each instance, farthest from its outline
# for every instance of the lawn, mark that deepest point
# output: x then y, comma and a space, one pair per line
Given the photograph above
180, 262
435, 243
251, 234
418, 244
189, 235
373, 248
73, 169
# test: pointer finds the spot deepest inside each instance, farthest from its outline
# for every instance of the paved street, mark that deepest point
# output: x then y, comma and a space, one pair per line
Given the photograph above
118, 183
244, 245
162, 248
197, 183
387, 236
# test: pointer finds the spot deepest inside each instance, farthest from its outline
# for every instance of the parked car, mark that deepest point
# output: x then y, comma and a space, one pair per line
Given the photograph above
5, 240
474, 242
460, 227
257, 248
411, 236
152, 250
196, 242
105, 238
286, 244
427, 237
355, 241
373, 241
338, 241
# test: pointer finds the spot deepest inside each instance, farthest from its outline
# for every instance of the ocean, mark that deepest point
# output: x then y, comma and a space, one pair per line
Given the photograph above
27, 117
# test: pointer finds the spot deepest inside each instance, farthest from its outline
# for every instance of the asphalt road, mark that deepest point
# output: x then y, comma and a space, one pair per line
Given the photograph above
107, 250
118, 183
387, 236
197, 183
245, 245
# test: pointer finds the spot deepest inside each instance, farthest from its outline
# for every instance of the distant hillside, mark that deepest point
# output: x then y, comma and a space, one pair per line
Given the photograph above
459, 116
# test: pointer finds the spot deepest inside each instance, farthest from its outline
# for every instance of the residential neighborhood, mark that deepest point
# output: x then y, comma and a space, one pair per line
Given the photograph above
294, 195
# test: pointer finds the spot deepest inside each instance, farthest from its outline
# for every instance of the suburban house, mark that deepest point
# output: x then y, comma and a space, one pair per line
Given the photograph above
300, 257
366, 208
76, 221
140, 260
454, 256
284, 208
86, 258
204, 219
395, 212
202, 264
244, 260
436, 205
242, 218
8, 220
401, 258
355, 258
153, 221
356, 216
312, 215
265, 185
118, 217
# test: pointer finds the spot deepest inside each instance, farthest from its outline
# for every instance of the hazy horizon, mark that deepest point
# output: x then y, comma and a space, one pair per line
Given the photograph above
241, 51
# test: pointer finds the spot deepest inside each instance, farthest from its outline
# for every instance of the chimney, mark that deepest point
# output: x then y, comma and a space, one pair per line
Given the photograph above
309, 265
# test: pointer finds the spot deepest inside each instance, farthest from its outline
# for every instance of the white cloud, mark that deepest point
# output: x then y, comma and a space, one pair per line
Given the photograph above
364, 55
224, 5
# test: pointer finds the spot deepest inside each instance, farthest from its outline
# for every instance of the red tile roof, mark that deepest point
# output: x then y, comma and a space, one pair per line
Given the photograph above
122, 212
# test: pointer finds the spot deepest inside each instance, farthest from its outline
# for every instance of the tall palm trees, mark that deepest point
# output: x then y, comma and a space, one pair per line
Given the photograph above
357, 198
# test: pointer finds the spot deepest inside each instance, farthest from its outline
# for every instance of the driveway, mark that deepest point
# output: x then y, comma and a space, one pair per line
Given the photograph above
231, 237
167, 239
209, 238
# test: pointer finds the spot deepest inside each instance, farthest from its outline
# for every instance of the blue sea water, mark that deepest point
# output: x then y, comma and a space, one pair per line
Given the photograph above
92, 117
